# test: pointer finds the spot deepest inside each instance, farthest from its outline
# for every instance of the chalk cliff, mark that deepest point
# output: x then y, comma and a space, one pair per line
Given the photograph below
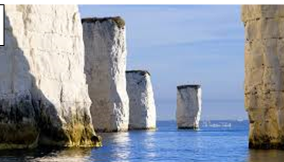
43, 91
105, 56
264, 62
188, 106
142, 109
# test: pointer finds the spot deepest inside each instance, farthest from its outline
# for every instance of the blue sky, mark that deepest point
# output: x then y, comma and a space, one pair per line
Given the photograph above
189, 44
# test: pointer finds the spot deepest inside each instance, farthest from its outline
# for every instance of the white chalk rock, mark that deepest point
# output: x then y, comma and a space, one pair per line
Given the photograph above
105, 55
43, 91
188, 106
142, 109
264, 62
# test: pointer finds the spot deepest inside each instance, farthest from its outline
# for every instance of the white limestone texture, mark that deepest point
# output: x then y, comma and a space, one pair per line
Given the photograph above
188, 106
264, 62
43, 92
142, 108
105, 56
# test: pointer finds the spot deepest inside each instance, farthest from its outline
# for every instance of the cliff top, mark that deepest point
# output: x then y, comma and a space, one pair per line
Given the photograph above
117, 19
141, 72
189, 85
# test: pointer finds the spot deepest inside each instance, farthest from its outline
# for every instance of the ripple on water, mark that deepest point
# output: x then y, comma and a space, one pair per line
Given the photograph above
165, 144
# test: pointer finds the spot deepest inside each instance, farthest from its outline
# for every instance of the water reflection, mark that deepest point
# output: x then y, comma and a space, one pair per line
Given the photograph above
127, 146
149, 145
116, 146
266, 156
46, 154
123, 141
165, 144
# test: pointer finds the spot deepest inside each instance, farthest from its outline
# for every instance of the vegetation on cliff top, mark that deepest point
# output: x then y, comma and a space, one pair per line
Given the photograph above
141, 72
117, 19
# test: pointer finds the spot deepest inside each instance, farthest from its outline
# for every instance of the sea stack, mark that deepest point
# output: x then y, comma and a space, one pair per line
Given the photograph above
264, 62
142, 109
105, 56
43, 92
188, 106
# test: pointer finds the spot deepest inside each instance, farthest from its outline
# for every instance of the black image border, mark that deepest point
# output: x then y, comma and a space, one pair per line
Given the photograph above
3, 25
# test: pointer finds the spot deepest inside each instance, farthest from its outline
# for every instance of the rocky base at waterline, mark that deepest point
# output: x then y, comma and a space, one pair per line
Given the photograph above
265, 145
188, 106
43, 92
264, 62
142, 109
105, 56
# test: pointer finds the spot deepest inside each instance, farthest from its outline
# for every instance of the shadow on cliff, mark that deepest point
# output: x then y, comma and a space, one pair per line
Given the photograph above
28, 117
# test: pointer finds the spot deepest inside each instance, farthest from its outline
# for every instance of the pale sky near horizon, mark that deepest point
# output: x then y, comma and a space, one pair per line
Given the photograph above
188, 44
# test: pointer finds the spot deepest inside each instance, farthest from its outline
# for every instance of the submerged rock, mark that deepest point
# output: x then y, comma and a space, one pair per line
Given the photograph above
105, 56
188, 106
264, 62
43, 92
142, 109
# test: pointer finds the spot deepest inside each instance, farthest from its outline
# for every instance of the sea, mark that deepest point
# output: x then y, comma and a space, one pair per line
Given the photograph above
215, 141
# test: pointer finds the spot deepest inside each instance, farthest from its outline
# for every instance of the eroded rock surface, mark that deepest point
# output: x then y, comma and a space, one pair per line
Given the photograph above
43, 91
188, 106
142, 109
264, 62
105, 55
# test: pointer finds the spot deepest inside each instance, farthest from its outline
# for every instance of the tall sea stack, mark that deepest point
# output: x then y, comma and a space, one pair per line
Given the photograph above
43, 92
264, 62
105, 56
188, 106
142, 109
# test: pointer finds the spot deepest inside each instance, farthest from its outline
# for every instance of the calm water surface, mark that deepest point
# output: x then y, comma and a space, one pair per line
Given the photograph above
218, 141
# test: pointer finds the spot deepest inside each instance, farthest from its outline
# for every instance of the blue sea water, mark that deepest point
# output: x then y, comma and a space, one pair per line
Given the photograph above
220, 141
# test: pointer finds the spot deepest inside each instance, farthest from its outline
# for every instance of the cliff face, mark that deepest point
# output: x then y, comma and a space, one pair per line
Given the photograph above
142, 109
105, 55
188, 106
264, 62
43, 91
